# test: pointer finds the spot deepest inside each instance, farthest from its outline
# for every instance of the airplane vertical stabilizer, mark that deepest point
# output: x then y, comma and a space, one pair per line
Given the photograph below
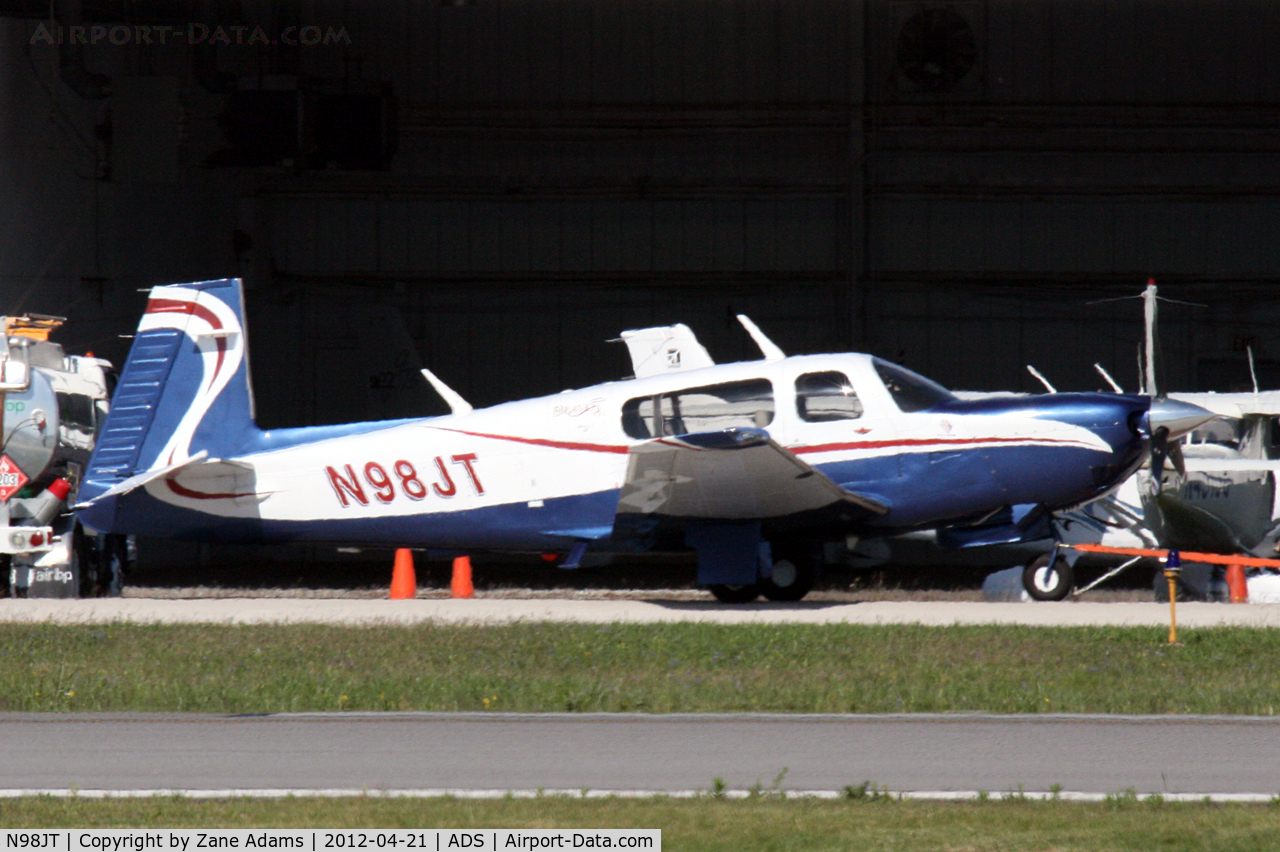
184, 389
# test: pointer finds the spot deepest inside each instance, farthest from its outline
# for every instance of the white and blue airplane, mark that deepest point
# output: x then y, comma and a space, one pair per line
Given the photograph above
753, 465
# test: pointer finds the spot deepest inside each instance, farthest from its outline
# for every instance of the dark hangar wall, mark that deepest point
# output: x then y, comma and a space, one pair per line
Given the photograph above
498, 186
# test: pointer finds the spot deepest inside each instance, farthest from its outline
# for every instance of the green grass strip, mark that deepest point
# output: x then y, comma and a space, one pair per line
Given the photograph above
647, 668
766, 823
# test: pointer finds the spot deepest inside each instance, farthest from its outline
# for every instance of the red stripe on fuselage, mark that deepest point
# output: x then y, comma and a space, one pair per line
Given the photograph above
546, 442
178, 306
922, 442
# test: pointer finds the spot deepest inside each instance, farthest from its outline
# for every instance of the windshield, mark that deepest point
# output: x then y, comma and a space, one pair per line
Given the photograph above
909, 391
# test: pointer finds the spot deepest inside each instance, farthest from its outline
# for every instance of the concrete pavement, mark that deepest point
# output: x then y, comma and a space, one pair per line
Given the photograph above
500, 611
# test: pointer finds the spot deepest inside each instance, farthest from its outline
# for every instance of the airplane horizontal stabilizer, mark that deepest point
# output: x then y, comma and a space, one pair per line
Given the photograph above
198, 477
220, 479
734, 474
138, 480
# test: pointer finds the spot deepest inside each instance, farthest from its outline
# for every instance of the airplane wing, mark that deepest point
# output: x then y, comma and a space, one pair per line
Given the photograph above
735, 474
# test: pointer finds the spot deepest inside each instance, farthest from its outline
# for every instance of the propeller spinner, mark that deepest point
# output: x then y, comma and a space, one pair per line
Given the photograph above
1168, 420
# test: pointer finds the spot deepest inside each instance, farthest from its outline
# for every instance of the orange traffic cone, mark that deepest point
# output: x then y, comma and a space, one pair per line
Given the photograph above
404, 585
1236, 584
461, 585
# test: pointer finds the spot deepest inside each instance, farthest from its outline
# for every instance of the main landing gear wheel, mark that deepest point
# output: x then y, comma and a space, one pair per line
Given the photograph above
83, 561
735, 594
1048, 584
793, 576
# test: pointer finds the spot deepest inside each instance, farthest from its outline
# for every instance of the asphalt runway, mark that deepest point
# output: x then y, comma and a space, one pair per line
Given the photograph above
431, 752
498, 611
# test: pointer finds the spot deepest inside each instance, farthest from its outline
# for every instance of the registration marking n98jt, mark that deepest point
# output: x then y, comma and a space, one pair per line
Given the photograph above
387, 483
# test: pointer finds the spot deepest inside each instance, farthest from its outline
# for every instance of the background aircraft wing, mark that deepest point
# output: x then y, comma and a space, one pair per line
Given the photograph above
1234, 405
735, 474
1219, 465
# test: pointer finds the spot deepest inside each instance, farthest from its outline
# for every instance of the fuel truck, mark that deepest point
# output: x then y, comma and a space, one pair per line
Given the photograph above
53, 406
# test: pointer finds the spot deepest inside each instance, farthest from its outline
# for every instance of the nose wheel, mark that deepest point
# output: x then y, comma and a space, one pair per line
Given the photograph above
1048, 579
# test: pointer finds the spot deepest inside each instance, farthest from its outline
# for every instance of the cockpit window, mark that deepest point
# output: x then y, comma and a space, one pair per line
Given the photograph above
910, 391
823, 397
702, 409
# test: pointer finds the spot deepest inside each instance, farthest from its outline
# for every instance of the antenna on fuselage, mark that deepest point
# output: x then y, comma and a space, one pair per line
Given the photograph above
768, 348
1033, 371
456, 403
1115, 387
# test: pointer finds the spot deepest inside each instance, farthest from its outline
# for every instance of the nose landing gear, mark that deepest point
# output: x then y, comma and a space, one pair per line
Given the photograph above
1048, 579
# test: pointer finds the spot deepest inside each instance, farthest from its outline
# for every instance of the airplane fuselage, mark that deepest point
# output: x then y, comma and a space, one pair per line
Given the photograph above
543, 473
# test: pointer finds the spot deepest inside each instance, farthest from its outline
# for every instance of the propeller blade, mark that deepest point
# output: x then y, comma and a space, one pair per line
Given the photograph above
1159, 452
1175, 456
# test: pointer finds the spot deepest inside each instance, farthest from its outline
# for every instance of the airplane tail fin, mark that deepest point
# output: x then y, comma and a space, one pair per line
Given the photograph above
664, 349
184, 390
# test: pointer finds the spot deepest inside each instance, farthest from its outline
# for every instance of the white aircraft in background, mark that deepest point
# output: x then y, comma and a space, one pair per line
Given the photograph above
753, 465
1214, 491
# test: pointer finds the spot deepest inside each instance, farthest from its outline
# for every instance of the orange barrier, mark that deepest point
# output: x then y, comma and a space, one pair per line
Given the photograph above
404, 584
461, 584
1236, 584
1211, 558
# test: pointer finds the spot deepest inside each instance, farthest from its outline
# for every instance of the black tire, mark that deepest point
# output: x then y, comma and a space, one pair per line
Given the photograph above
83, 561
794, 573
114, 564
735, 594
1046, 585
